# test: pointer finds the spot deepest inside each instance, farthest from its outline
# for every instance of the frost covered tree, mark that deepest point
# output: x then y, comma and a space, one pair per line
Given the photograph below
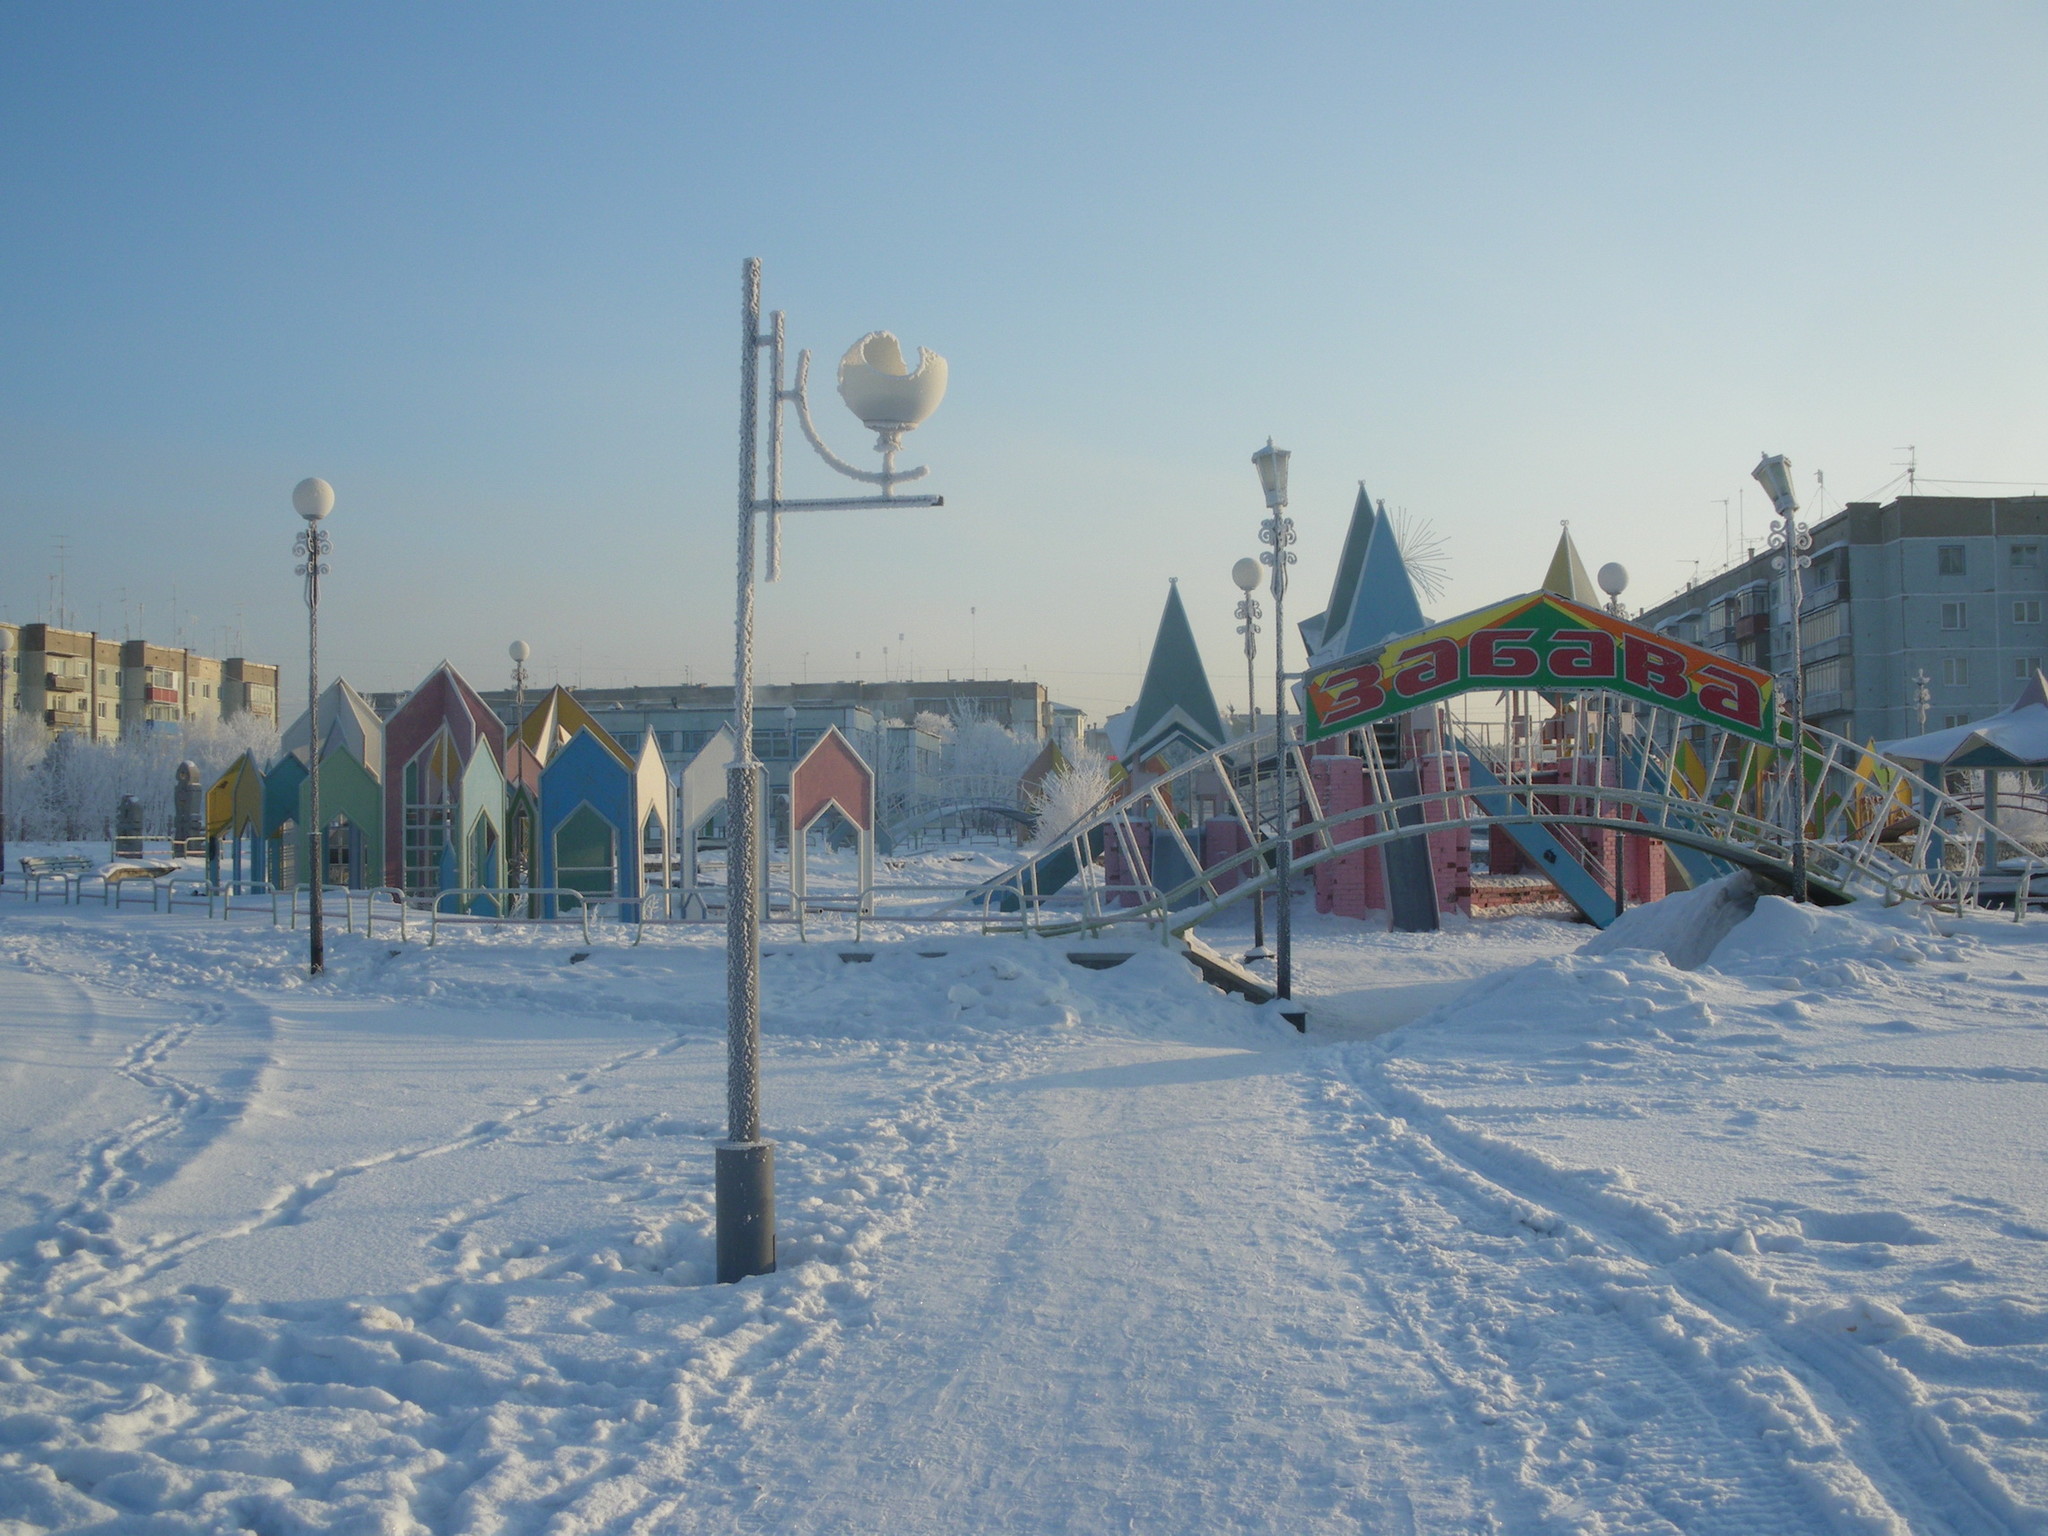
1070, 792
65, 788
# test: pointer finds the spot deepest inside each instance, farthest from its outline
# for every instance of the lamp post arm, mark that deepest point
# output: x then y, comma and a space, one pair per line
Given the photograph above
886, 477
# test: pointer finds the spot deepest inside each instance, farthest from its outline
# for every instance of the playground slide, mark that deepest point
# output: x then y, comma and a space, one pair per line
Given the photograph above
1054, 869
1411, 886
1594, 901
1699, 867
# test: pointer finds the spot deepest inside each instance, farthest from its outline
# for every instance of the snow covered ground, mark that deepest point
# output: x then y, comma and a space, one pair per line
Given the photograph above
1518, 1238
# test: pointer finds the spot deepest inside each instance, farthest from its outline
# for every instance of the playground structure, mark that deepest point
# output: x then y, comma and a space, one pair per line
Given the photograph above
1540, 743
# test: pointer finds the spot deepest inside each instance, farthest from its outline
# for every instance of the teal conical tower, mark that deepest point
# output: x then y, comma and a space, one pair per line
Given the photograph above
1176, 708
1349, 566
1374, 597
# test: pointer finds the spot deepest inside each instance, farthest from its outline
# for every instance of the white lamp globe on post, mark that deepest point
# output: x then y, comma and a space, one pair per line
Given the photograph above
1245, 574
1613, 579
1277, 534
518, 650
313, 499
1791, 541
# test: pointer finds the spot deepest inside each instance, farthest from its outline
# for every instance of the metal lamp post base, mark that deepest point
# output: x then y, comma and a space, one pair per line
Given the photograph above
746, 1209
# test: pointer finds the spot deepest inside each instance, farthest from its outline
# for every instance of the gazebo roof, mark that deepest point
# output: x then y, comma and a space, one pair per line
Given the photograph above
1176, 702
2015, 737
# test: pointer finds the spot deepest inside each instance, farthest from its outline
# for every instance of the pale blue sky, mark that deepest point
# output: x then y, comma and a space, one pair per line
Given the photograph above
479, 267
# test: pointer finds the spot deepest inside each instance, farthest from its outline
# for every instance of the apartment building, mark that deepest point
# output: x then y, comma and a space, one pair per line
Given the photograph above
1946, 589
77, 681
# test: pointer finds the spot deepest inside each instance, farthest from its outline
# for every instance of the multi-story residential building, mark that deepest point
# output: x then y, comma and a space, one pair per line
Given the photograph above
1951, 589
76, 681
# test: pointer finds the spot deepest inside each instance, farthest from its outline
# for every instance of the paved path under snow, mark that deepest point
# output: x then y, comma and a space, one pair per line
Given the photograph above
1155, 1294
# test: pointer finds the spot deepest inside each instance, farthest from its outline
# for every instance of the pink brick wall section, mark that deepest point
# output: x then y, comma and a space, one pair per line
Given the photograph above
1116, 870
1450, 851
1353, 884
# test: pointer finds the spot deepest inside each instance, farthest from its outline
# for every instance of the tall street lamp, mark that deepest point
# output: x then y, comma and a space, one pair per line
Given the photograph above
1246, 574
1791, 540
519, 651
890, 398
313, 499
6, 718
1613, 579
1277, 534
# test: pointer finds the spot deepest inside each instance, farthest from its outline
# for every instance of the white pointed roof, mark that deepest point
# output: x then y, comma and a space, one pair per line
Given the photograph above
347, 722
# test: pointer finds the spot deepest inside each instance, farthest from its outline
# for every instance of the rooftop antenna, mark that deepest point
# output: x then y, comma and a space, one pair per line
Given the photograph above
1727, 550
1694, 580
1912, 465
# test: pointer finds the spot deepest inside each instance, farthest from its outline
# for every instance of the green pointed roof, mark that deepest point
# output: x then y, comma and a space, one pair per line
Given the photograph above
1379, 603
1176, 703
1567, 574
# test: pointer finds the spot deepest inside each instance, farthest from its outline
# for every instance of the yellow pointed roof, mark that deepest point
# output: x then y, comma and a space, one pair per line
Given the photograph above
1567, 574
556, 719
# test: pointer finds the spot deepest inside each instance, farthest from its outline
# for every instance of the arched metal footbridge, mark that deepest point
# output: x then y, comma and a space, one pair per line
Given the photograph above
1675, 745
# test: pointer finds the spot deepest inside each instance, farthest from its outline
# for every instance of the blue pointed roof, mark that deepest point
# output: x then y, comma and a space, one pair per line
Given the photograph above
1176, 704
1350, 563
1377, 604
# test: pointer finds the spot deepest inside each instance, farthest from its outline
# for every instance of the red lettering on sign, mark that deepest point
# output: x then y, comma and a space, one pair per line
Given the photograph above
1657, 668
1583, 653
1501, 653
1735, 698
1433, 664
1345, 695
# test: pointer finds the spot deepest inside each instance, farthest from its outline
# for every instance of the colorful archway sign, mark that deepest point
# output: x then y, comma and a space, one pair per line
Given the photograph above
1540, 641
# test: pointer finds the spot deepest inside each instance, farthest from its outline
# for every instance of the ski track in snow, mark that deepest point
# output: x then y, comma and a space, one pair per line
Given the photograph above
1598, 1246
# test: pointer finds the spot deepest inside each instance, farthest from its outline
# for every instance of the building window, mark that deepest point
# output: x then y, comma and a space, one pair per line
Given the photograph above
2024, 667
1819, 628
2026, 557
1829, 676
1950, 722
1949, 559
2027, 611
1955, 671
1955, 616
431, 785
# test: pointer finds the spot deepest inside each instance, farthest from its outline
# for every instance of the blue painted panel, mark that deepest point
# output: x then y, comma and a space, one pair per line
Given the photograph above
586, 772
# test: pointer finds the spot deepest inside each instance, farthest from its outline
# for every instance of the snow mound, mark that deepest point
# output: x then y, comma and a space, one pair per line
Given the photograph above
1686, 926
1819, 944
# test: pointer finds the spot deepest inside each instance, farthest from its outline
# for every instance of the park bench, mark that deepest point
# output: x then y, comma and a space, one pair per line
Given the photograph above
66, 868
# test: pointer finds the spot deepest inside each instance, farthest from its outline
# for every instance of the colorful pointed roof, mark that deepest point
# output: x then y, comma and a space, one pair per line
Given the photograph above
553, 722
347, 723
1377, 602
1176, 704
1567, 574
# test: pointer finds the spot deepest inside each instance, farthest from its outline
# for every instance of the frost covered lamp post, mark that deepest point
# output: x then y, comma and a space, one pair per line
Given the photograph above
313, 499
1246, 574
6, 714
1277, 533
890, 398
1613, 579
518, 650
1791, 540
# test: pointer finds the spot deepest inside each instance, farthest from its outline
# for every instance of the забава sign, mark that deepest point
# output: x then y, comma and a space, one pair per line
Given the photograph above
1540, 641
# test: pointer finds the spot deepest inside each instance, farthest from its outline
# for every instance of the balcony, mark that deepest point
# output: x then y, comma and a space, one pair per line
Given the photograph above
59, 682
155, 695
1751, 625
